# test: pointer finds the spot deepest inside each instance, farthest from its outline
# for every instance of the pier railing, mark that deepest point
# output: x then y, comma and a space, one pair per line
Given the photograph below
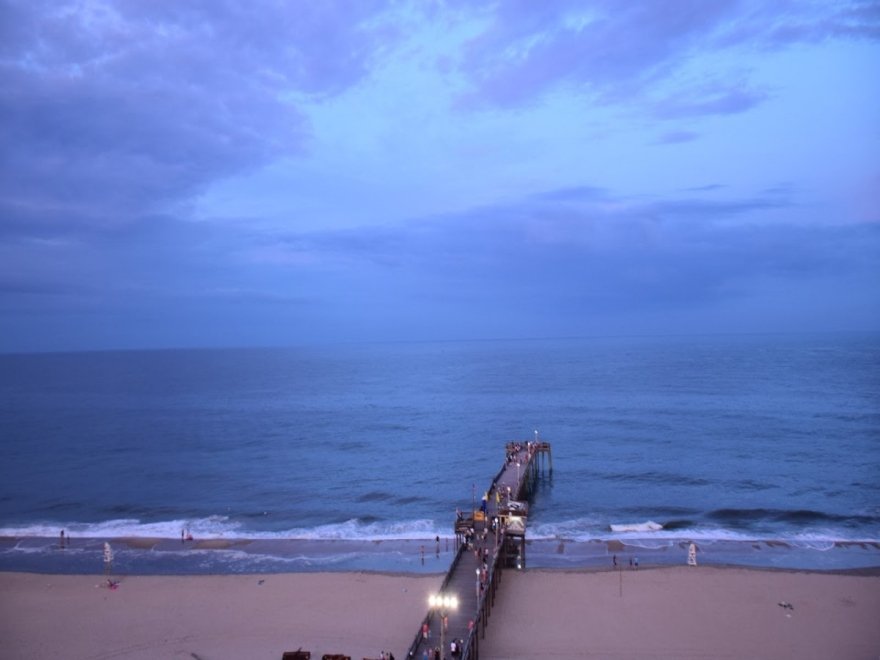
429, 617
515, 480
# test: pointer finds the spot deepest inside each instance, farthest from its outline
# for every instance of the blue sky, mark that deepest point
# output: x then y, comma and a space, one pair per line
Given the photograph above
269, 173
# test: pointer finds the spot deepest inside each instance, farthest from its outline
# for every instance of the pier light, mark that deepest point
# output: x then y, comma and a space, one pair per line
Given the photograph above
444, 603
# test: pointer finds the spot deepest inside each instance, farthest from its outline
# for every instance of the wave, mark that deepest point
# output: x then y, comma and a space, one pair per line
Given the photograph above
798, 526
221, 527
790, 516
649, 526
589, 529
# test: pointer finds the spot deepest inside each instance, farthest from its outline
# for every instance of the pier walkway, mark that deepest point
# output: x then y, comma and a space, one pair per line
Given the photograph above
488, 539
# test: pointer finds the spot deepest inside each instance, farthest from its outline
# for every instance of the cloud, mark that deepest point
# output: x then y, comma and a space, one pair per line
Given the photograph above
605, 47
578, 193
609, 253
781, 24
562, 262
613, 52
714, 100
676, 137
116, 109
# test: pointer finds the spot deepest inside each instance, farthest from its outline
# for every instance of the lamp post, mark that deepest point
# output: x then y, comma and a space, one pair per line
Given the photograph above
442, 603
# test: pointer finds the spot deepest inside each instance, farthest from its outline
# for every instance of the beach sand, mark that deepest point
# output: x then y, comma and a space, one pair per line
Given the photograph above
685, 612
677, 612
209, 617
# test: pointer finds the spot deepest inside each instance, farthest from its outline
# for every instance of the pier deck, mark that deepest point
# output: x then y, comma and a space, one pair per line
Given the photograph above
483, 550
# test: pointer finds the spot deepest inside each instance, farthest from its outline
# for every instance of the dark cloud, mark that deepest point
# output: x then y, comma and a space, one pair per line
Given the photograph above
557, 263
111, 110
615, 253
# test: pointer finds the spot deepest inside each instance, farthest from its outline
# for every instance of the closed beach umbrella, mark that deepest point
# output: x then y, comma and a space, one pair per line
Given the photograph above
108, 556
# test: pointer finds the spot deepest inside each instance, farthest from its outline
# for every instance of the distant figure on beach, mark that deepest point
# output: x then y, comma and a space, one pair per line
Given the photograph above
614, 561
636, 562
62, 539
630, 562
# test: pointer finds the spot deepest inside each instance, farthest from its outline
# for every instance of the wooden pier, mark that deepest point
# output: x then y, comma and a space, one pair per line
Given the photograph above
489, 539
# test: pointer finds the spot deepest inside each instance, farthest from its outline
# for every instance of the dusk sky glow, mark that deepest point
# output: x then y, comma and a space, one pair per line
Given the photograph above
187, 174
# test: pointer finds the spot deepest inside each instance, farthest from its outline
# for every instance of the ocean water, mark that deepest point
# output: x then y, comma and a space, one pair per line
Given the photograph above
333, 456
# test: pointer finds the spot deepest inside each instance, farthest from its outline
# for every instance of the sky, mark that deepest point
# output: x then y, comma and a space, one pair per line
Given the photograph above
216, 173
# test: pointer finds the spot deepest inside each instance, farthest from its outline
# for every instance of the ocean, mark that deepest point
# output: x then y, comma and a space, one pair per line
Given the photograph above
762, 449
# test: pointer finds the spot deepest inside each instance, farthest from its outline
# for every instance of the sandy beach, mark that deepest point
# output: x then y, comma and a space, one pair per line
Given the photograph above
678, 612
684, 612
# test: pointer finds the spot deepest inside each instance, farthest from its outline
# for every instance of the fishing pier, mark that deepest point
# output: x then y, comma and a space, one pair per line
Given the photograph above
489, 539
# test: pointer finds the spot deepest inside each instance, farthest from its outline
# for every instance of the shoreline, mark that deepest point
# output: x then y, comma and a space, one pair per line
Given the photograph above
233, 556
698, 612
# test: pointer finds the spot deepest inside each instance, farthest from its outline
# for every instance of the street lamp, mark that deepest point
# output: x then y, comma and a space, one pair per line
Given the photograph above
443, 603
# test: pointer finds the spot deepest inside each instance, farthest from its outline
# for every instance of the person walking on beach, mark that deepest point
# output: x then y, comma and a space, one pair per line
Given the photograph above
62, 539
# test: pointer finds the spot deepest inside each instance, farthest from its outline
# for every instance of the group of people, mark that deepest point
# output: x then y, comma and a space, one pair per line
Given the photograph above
633, 562
515, 448
455, 649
